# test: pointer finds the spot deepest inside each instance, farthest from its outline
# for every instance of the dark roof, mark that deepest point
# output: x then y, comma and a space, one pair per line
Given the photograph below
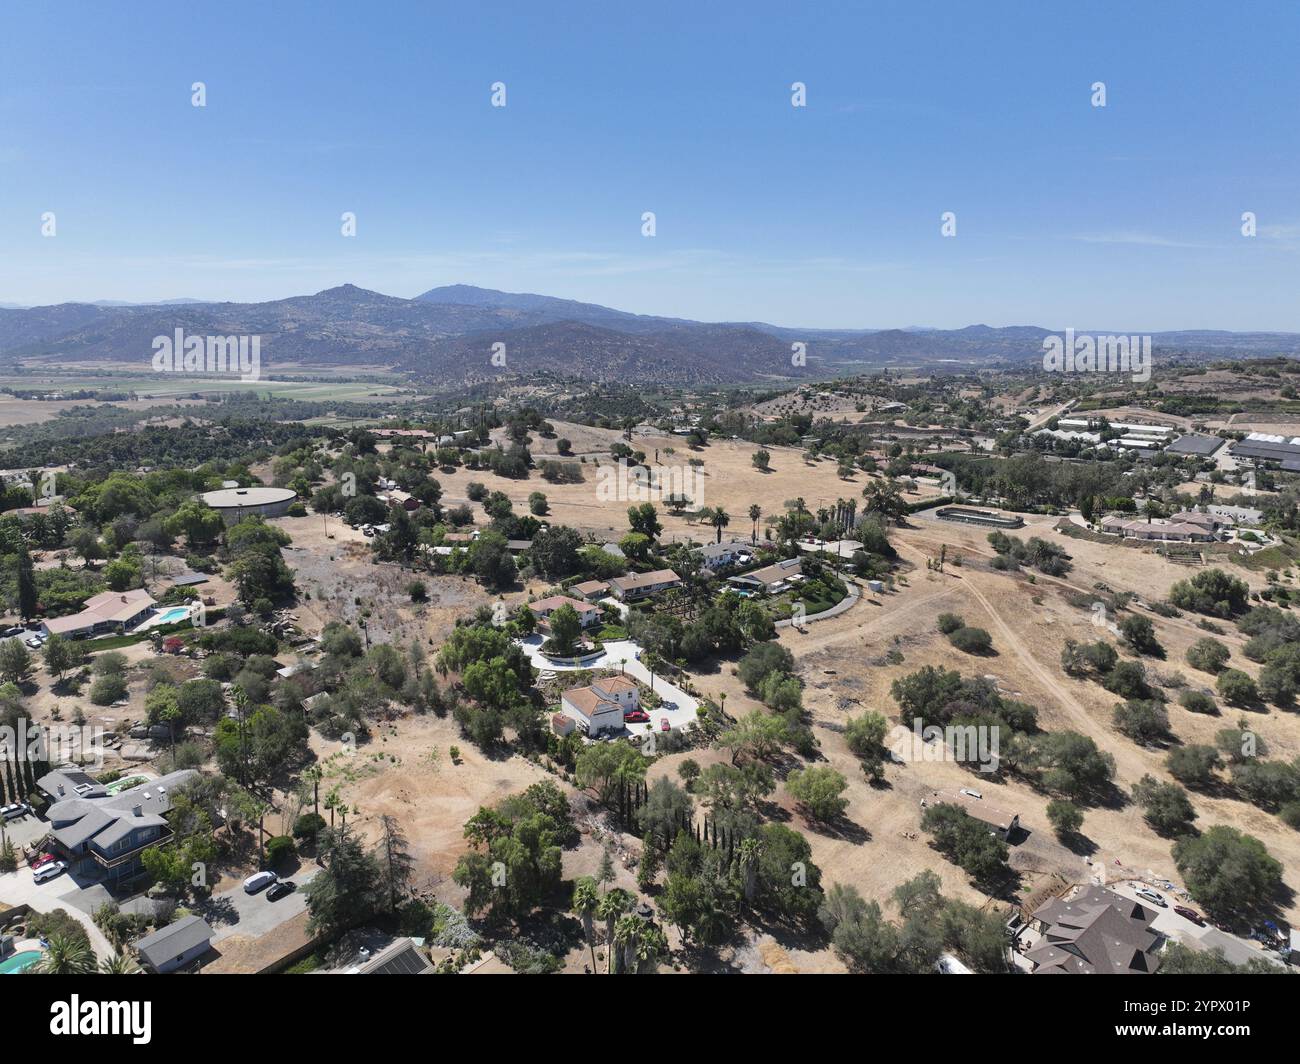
401, 958
1095, 931
187, 579
168, 943
1194, 443
1267, 450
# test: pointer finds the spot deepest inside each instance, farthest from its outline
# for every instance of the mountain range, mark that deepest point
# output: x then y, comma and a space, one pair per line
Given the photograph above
448, 334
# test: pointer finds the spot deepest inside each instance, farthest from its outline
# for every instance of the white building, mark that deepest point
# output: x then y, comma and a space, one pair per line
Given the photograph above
599, 708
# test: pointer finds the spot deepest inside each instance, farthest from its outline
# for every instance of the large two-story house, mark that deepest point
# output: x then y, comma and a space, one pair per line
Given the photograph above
100, 836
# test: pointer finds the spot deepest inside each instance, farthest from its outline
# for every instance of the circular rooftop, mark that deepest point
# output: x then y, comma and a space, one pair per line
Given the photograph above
233, 498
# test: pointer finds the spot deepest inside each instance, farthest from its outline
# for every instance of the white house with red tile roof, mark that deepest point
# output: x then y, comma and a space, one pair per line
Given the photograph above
600, 706
588, 614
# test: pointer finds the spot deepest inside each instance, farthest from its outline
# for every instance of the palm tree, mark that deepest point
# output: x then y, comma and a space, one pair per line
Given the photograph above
67, 955
755, 512
652, 945
314, 775
627, 932
719, 519
333, 802
118, 964
609, 909
585, 901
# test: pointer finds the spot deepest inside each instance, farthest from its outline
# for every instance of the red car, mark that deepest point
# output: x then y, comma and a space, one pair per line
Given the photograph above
664, 725
635, 716
1190, 914
40, 861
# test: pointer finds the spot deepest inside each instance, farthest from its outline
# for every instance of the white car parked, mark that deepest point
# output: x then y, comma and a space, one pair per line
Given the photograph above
49, 871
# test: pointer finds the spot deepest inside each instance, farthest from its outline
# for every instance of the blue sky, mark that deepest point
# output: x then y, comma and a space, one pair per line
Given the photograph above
1125, 217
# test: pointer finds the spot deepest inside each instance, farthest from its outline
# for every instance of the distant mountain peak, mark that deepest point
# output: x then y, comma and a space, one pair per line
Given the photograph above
350, 291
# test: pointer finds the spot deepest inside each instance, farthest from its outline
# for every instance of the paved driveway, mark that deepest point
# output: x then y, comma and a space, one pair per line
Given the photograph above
63, 892
625, 655
1180, 929
232, 912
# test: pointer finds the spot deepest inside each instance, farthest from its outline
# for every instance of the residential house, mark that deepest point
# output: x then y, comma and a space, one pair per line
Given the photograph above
1094, 930
1210, 522
174, 946
635, 586
771, 578
835, 548
1159, 529
719, 556
543, 608
109, 611
599, 707
1236, 515
591, 590
999, 821
100, 836
402, 957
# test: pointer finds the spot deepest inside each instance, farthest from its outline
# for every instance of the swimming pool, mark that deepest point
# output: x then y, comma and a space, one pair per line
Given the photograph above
174, 615
19, 962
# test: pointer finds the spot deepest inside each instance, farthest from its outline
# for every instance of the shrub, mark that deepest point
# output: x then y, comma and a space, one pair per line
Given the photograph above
1165, 806
108, 689
1197, 702
1142, 720
971, 640
308, 826
1236, 687
279, 848
949, 623
1208, 655
817, 789
1193, 765
1140, 634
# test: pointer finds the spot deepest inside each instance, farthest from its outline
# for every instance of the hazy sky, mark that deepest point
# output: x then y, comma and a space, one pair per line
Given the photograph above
1127, 216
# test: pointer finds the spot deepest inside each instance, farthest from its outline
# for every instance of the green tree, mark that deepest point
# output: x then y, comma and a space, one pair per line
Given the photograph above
1165, 806
1231, 874
585, 900
566, 631
1065, 817
818, 789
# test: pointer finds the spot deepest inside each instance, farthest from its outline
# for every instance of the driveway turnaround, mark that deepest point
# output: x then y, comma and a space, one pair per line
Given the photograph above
624, 655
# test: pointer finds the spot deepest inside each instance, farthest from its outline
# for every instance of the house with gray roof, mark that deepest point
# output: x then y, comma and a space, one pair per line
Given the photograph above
100, 836
174, 946
1094, 930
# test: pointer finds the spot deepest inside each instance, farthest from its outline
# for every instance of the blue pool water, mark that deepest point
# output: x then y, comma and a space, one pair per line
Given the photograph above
19, 962
174, 615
